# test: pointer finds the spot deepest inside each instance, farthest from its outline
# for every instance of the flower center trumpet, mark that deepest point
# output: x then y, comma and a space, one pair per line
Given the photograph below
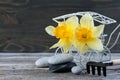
84, 34
63, 32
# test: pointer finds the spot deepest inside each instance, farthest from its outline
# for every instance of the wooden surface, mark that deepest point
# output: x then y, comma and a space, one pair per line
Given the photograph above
22, 22
21, 67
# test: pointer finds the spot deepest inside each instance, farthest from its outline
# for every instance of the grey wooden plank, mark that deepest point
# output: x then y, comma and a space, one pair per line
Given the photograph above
44, 74
21, 67
27, 61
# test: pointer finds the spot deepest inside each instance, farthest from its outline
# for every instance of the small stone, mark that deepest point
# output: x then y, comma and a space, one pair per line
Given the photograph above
60, 58
42, 62
76, 70
63, 67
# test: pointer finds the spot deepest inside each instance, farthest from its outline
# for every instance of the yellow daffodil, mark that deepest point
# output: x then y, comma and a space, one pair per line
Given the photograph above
64, 32
87, 35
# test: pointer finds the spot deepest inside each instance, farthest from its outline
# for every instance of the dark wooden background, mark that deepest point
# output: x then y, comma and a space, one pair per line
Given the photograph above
22, 22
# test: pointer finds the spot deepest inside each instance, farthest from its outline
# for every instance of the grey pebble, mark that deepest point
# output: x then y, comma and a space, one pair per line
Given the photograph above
42, 62
76, 70
60, 58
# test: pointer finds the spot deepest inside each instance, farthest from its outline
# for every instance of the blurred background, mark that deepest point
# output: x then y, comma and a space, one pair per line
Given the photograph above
22, 22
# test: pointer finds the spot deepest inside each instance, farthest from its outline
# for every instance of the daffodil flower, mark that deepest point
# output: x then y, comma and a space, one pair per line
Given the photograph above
87, 36
64, 32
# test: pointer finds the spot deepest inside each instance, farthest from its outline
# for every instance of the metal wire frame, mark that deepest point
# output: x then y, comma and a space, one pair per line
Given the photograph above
101, 19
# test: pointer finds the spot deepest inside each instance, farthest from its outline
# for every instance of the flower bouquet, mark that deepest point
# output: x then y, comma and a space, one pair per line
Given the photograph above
80, 38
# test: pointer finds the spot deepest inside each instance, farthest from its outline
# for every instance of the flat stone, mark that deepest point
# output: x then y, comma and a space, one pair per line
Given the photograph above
63, 67
60, 58
42, 62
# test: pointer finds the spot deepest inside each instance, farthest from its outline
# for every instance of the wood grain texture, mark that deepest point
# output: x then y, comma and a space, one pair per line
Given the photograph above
21, 67
22, 22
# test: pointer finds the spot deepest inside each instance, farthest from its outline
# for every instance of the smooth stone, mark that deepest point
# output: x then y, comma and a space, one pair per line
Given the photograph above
60, 58
60, 68
76, 70
42, 62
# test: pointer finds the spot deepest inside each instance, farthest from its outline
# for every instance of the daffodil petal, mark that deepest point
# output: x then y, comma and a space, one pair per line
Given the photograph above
87, 21
72, 22
56, 45
50, 30
77, 44
66, 44
81, 47
84, 49
96, 44
99, 30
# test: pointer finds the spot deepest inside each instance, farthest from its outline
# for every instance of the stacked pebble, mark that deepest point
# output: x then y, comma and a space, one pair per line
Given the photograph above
59, 63
42, 62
